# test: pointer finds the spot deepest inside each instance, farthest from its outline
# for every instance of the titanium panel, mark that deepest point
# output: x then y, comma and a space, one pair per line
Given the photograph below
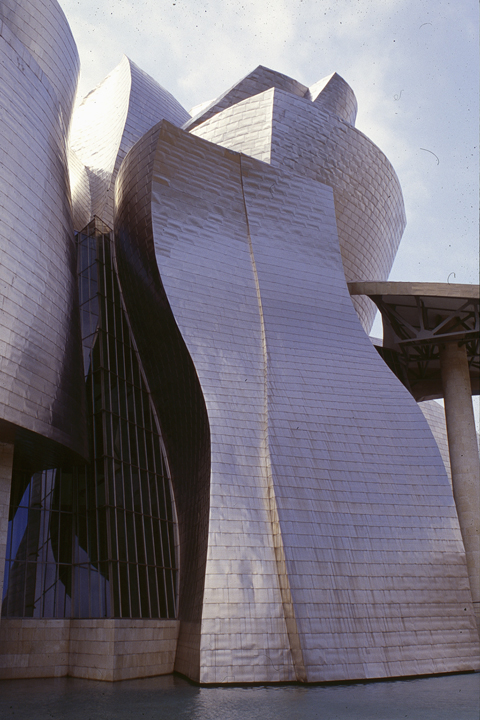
257, 81
335, 96
434, 414
309, 139
366, 511
40, 346
42, 28
332, 521
174, 385
204, 258
105, 125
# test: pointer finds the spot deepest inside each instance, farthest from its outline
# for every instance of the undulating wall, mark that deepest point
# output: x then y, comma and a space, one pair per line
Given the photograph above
173, 382
315, 139
43, 30
40, 353
334, 550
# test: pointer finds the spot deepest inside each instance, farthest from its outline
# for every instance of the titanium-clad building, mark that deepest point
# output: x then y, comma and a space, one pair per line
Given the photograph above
206, 464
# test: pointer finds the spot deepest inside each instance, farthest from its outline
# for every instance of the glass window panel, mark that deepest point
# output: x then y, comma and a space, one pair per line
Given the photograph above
150, 453
115, 580
141, 558
153, 483
130, 403
127, 486
117, 453
157, 541
138, 406
167, 557
129, 374
122, 399
120, 359
97, 391
152, 584
132, 551
162, 595
124, 591
121, 535
147, 418
149, 544
119, 485
169, 586
146, 505
133, 455
144, 591
134, 591
137, 495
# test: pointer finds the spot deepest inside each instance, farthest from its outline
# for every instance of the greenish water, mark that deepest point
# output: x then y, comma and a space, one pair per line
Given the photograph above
452, 697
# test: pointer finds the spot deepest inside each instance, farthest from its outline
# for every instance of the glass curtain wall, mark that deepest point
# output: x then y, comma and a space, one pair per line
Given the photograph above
98, 540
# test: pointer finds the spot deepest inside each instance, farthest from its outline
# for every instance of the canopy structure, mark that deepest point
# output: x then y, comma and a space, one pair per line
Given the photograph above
418, 320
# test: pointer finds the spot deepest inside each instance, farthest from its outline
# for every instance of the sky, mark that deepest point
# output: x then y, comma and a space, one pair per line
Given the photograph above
413, 65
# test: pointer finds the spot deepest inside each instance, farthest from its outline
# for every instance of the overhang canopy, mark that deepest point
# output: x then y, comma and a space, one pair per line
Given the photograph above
418, 320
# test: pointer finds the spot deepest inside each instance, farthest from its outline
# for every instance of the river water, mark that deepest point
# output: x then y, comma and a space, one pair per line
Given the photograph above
451, 697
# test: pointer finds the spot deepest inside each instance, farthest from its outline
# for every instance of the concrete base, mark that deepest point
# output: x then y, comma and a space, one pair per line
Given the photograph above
106, 649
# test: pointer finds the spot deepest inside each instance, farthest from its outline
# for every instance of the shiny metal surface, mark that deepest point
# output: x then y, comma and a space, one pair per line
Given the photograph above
318, 536
434, 414
174, 385
315, 140
261, 79
333, 543
105, 125
40, 351
43, 30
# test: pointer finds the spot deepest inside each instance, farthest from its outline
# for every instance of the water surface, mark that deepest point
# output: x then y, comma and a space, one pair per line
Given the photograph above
451, 697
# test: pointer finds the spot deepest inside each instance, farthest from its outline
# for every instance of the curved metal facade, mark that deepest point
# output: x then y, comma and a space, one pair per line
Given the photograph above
174, 385
43, 30
105, 125
40, 359
318, 538
314, 139
331, 515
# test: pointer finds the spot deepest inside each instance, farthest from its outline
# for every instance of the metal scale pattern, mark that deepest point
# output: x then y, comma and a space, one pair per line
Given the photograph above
318, 535
105, 125
317, 139
40, 344
334, 550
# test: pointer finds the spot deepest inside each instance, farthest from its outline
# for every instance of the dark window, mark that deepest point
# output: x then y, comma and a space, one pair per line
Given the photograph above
98, 540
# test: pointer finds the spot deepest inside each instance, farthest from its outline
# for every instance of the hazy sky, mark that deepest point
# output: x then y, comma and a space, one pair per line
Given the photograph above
413, 65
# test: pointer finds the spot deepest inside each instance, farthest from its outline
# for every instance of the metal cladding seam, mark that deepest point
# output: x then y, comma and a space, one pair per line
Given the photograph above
371, 545
366, 511
259, 80
42, 28
314, 139
42, 403
105, 125
173, 382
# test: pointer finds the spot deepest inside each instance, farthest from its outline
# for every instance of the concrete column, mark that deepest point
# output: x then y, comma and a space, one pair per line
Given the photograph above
6, 462
464, 460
